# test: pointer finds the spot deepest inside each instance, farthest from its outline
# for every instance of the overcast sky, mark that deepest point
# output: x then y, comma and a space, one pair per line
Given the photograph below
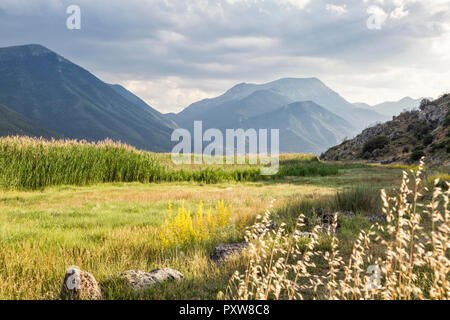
173, 53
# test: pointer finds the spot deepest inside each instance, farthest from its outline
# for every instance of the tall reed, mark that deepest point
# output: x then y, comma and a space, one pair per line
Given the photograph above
30, 163
35, 163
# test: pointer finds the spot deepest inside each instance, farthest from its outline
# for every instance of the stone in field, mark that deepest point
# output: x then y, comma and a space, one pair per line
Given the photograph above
80, 285
223, 252
138, 280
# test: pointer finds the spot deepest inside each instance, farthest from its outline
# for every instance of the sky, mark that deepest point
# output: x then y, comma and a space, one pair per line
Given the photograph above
173, 53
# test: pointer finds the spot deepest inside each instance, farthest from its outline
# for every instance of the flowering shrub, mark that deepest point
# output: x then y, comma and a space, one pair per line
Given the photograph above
186, 229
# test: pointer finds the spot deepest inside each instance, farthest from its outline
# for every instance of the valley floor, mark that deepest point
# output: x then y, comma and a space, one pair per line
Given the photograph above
106, 229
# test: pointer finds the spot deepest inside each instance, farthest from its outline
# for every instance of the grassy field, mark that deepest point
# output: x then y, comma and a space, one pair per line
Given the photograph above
114, 227
109, 227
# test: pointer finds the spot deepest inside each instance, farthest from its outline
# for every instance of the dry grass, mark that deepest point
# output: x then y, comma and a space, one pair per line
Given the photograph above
413, 264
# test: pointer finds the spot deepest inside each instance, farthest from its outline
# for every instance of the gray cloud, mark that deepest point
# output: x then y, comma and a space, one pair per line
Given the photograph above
172, 53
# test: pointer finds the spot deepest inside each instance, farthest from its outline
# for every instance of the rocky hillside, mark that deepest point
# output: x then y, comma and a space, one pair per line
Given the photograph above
405, 139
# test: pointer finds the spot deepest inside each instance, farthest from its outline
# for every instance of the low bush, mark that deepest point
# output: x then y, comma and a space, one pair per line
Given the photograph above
378, 142
417, 155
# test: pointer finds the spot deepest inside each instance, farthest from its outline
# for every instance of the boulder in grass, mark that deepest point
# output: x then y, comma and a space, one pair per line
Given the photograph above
80, 285
138, 280
223, 252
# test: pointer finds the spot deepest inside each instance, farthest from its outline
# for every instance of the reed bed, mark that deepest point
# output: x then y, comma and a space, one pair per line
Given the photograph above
36, 163
31, 163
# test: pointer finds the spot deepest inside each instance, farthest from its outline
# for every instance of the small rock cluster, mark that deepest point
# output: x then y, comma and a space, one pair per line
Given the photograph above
328, 220
378, 217
298, 233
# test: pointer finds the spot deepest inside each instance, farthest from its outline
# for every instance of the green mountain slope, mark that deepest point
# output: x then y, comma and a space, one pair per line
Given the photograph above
12, 123
287, 90
57, 94
305, 127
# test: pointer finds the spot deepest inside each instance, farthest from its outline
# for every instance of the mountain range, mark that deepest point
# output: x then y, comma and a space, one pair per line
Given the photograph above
311, 117
54, 97
393, 108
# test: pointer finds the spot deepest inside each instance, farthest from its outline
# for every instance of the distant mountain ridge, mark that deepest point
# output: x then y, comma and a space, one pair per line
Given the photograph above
393, 108
270, 106
63, 97
307, 126
289, 90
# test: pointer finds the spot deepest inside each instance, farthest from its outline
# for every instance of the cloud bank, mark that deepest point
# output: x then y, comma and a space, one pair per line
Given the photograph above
172, 53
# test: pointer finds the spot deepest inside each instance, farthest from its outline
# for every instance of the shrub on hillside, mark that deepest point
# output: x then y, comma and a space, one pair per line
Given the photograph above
427, 140
424, 103
447, 120
417, 155
378, 142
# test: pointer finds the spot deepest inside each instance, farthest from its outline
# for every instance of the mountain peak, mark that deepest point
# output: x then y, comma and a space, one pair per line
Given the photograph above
291, 79
28, 51
407, 99
31, 49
